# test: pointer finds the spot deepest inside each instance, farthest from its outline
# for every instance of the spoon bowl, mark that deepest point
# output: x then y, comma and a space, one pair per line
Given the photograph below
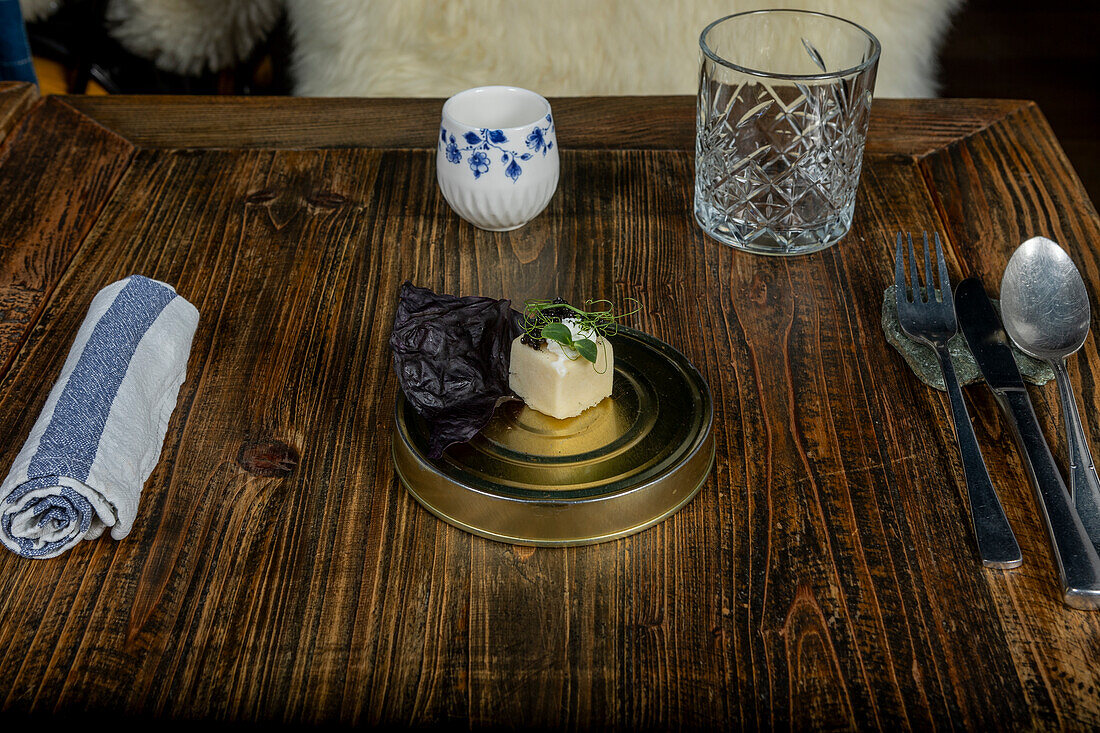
1044, 303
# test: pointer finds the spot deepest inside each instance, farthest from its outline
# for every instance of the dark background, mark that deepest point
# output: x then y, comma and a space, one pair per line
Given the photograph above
1048, 51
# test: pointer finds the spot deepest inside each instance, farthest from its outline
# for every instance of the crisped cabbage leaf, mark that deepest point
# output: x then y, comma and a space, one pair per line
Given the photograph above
451, 357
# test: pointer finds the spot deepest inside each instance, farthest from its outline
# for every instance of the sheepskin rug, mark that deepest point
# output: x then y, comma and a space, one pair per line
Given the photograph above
433, 48
566, 47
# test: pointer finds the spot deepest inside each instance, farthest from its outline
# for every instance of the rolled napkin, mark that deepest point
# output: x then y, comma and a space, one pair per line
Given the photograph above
101, 431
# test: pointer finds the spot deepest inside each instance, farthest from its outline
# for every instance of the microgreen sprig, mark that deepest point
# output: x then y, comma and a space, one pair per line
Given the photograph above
542, 320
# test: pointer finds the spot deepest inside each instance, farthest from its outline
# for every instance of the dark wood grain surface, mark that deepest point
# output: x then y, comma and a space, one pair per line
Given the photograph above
56, 172
824, 576
15, 100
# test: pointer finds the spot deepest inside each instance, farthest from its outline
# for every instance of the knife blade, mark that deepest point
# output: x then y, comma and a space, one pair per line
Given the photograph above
1077, 562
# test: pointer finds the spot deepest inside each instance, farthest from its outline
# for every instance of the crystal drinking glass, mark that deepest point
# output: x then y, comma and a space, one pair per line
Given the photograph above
784, 101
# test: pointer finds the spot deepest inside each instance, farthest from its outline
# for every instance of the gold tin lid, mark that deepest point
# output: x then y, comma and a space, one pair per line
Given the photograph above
617, 468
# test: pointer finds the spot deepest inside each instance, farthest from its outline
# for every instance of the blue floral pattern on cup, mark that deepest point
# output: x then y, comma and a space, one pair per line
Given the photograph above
481, 143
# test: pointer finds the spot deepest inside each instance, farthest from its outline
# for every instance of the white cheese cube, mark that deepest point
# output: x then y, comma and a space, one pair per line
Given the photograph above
549, 381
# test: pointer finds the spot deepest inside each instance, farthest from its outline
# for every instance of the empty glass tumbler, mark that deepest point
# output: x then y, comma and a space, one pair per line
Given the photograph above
784, 101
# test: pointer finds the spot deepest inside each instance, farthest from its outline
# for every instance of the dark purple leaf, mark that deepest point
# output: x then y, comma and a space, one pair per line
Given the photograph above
451, 357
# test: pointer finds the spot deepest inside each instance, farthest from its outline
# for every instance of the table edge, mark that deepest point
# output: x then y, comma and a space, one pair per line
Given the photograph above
913, 127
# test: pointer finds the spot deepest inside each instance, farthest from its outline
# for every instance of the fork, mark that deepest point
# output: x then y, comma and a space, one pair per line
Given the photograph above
927, 314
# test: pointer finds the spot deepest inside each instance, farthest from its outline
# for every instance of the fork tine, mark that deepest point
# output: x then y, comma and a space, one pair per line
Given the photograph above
945, 276
914, 278
929, 285
899, 273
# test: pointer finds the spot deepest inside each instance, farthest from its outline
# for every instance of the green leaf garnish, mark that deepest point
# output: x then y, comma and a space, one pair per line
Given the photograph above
557, 332
586, 348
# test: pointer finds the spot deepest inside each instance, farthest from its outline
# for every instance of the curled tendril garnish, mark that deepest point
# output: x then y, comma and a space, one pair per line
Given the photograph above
542, 321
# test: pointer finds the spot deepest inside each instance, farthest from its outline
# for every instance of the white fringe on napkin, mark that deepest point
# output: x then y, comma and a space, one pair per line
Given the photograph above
101, 431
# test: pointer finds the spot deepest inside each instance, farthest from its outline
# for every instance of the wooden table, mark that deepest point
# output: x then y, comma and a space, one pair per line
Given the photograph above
277, 571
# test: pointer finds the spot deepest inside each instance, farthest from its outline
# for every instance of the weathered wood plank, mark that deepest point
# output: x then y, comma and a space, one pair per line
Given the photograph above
15, 100
919, 127
898, 127
56, 171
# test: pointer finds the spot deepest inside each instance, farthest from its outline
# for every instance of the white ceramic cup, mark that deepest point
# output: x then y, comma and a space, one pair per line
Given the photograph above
497, 159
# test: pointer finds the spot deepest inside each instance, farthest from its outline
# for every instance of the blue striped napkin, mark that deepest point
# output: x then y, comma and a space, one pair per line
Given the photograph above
101, 431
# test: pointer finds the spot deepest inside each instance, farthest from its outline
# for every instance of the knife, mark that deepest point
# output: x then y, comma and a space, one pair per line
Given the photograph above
1077, 561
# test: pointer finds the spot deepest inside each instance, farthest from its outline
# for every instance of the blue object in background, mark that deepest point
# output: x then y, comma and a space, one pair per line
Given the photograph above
15, 52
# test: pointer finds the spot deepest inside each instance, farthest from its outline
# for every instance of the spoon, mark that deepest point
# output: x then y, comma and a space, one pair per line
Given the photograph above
1045, 308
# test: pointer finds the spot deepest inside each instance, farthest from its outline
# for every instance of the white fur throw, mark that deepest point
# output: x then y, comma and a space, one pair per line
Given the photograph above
191, 36
557, 47
181, 36
38, 9
565, 47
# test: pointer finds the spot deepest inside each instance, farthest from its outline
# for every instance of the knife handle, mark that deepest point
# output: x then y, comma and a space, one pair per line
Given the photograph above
1084, 486
997, 544
1078, 564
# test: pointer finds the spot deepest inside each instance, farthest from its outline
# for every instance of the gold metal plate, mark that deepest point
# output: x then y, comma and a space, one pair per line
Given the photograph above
617, 468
